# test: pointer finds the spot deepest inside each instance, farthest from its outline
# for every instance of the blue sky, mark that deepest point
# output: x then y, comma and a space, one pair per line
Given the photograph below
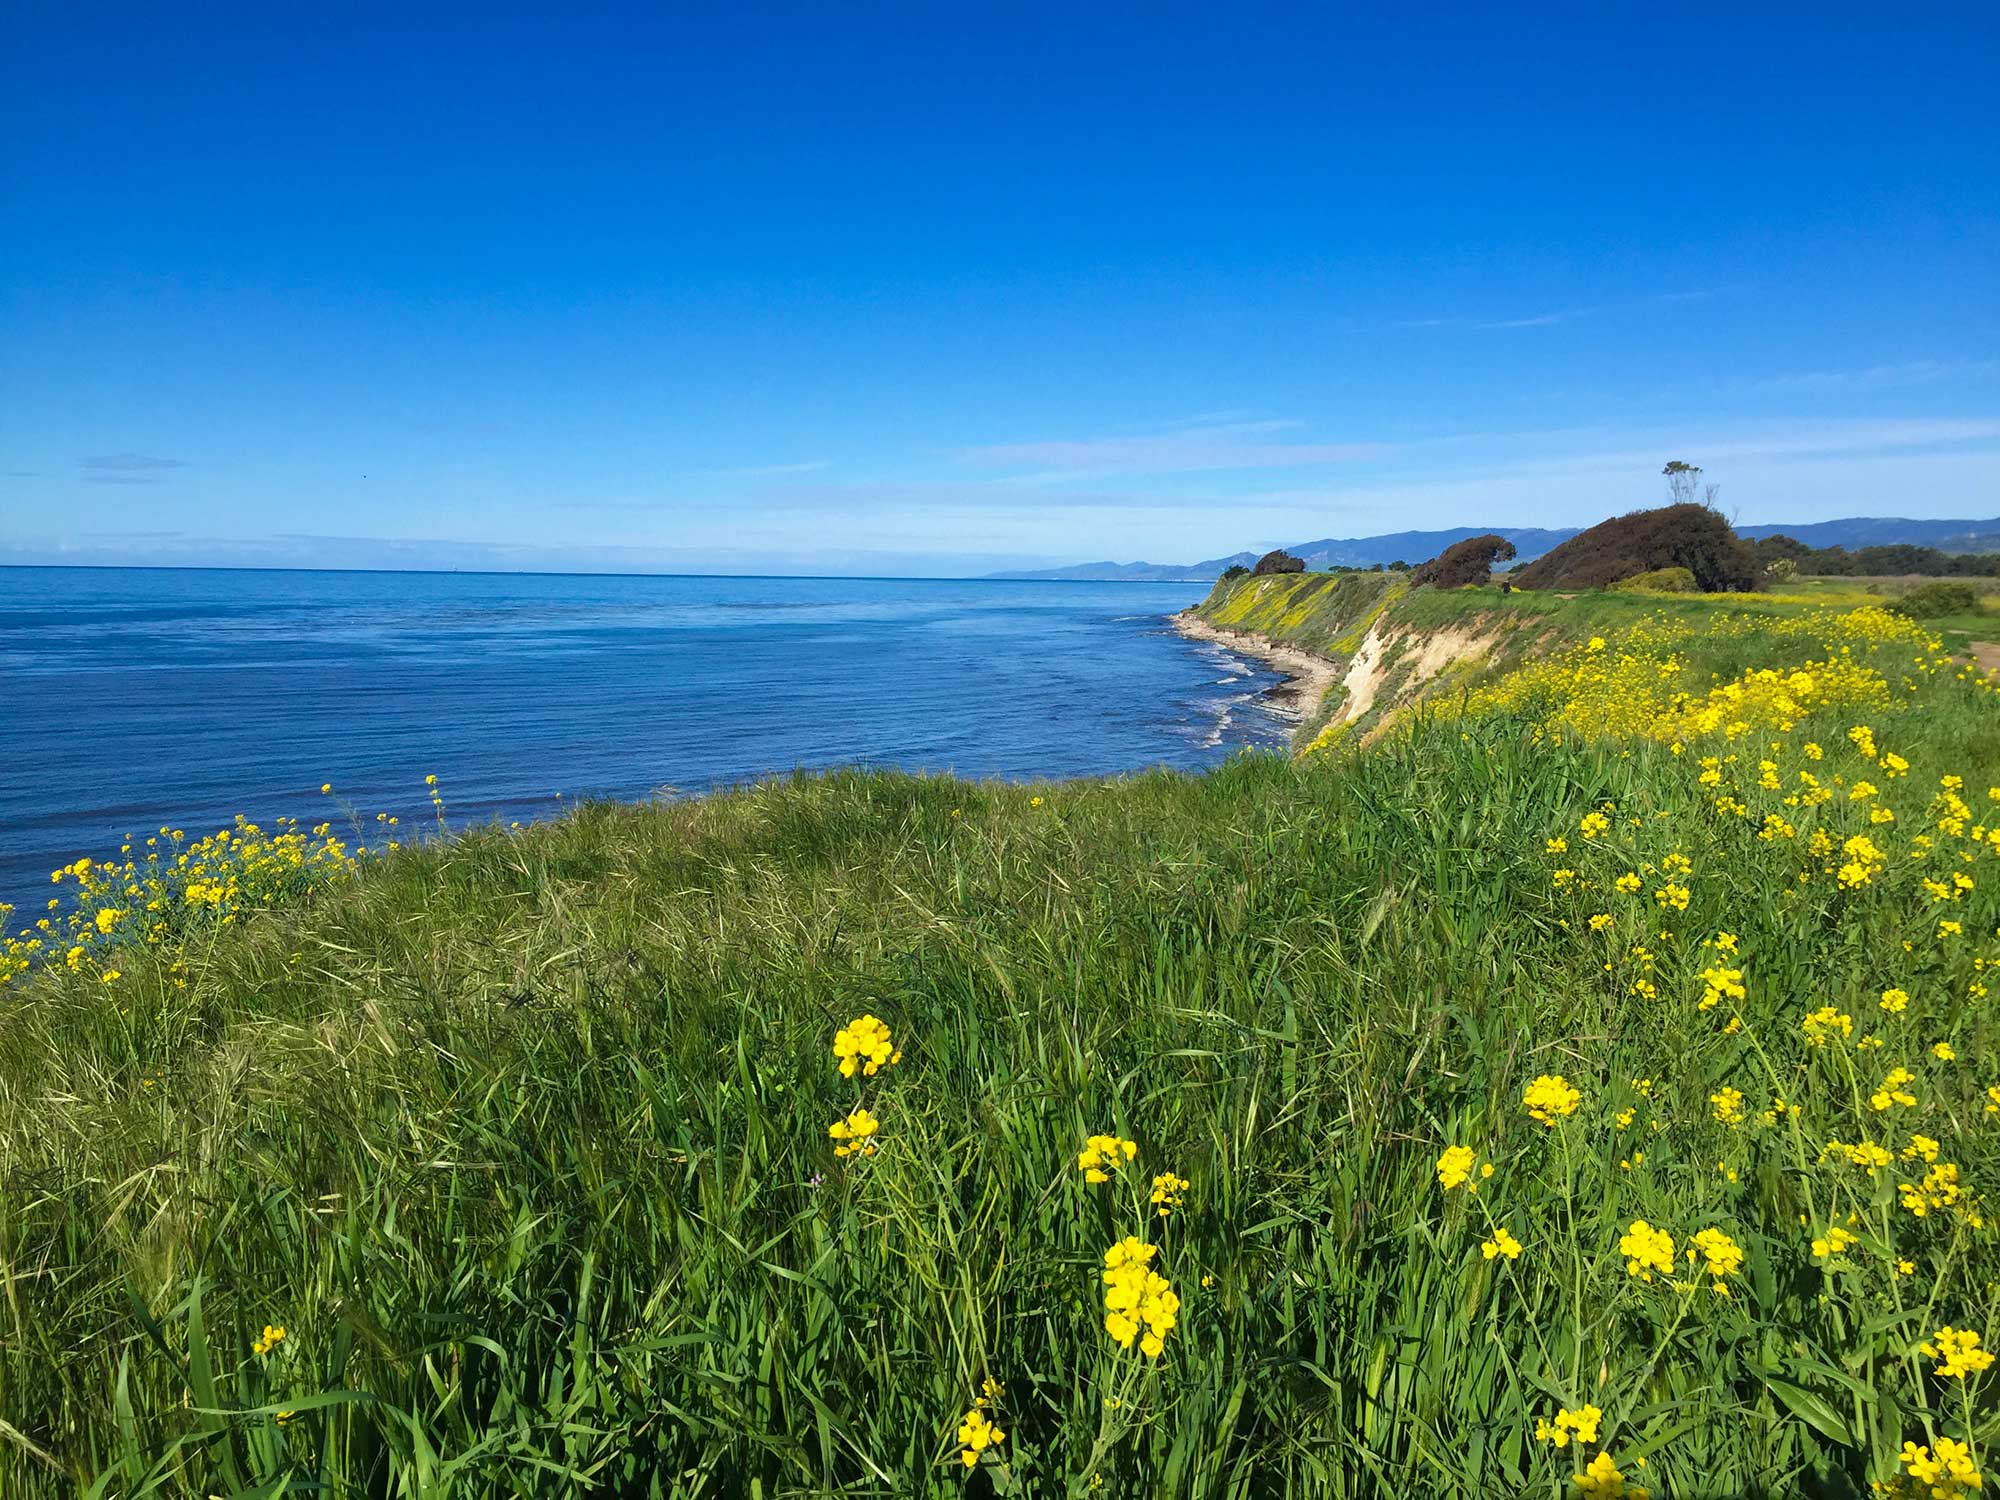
944, 288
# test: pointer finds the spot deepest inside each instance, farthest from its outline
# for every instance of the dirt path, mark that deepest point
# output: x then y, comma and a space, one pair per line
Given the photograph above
1985, 655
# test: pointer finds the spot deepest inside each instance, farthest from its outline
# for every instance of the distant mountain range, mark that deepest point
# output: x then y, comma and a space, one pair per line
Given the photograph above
1531, 542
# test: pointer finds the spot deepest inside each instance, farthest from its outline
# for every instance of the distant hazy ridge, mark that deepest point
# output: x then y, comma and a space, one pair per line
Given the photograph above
1416, 546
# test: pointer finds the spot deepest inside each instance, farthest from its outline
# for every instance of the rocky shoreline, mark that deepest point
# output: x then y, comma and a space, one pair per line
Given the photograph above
1308, 675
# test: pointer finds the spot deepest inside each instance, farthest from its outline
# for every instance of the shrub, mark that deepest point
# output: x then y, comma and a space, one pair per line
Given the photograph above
1933, 600
1467, 562
1674, 536
1279, 561
1233, 572
1887, 559
1780, 548
1659, 581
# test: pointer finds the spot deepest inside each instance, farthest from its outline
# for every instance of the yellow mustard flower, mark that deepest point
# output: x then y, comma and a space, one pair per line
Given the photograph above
855, 1133
1138, 1302
1957, 1352
1721, 1256
1168, 1193
1550, 1098
1455, 1166
1102, 1155
1836, 1242
1580, 1425
977, 1434
1500, 1242
1602, 1479
864, 1044
1646, 1250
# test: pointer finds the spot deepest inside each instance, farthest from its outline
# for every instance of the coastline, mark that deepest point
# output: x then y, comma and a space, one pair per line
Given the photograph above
1308, 675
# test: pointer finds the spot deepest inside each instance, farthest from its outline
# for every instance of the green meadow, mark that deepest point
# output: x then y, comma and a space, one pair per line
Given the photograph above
1533, 1064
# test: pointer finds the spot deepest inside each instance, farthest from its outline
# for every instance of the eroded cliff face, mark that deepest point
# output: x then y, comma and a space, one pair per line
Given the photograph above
1391, 646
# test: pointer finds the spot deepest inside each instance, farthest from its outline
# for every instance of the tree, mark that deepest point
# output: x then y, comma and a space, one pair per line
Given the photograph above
1688, 536
1770, 549
1462, 563
1683, 480
1278, 561
1234, 571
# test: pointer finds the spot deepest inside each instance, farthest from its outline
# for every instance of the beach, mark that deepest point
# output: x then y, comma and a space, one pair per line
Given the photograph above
1308, 675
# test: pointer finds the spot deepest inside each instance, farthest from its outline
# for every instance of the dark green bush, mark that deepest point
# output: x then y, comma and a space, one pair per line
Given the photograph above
1659, 581
1934, 600
1674, 536
1467, 562
1884, 560
1279, 561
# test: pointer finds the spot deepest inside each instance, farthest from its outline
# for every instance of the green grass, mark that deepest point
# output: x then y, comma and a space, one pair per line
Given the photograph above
523, 1139
1325, 612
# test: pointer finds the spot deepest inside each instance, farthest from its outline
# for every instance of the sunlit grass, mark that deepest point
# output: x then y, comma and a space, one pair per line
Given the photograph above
524, 1139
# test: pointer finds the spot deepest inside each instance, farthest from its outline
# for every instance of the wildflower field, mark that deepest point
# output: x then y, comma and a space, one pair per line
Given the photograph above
1586, 1087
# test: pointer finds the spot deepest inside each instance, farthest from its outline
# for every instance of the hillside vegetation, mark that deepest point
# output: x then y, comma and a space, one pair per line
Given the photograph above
1690, 536
1585, 1083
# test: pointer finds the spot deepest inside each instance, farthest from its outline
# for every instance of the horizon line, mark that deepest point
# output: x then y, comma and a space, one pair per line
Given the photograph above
573, 573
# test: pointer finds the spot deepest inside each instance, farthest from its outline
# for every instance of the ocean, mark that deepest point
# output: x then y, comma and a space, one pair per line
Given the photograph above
133, 698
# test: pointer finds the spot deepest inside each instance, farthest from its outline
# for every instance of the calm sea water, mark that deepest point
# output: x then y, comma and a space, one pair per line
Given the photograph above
130, 698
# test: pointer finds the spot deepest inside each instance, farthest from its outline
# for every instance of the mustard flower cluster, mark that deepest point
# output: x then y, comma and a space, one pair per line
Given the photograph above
1138, 1301
1455, 1167
1601, 1477
865, 1044
1500, 1243
1102, 1155
976, 1434
1957, 1352
855, 1133
1947, 1474
162, 893
1746, 828
1720, 1256
1550, 1098
1645, 687
1646, 1250
1580, 1424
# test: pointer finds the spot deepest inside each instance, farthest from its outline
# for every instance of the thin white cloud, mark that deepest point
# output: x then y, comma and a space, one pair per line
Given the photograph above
1235, 445
772, 471
1490, 325
1539, 320
131, 463
1882, 377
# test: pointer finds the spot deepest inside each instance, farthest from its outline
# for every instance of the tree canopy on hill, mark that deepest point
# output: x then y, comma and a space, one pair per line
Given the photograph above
1888, 559
1279, 561
1688, 536
1467, 562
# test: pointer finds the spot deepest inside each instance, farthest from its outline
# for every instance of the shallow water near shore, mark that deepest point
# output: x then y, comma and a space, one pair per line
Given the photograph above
141, 697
